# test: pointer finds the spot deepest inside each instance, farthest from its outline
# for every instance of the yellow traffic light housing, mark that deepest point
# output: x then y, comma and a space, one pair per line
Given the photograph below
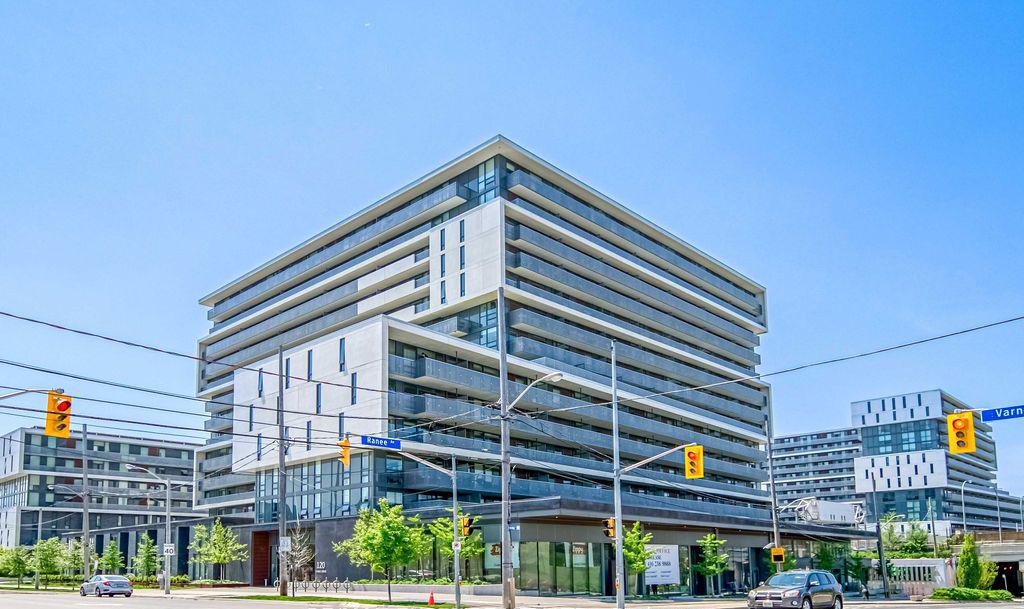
693, 460
609, 528
778, 555
58, 415
345, 453
466, 526
960, 426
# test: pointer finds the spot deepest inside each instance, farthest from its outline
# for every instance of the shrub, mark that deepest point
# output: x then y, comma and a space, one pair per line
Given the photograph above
971, 594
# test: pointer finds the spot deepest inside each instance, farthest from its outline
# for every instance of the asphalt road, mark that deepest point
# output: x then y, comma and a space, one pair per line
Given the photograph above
151, 599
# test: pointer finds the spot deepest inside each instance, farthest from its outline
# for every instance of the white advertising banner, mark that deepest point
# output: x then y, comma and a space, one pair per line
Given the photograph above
663, 565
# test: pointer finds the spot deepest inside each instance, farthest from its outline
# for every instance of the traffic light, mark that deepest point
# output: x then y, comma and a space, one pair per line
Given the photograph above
960, 426
694, 461
58, 415
466, 526
609, 528
345, 454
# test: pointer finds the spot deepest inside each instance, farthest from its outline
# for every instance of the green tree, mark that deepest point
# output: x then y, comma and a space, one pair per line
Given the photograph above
46, 557
712, 561
916, 542
441, 531
112, 560
634, 550
146, 560
17, 562
383, 540
968, 569
71, 557
892, 540
199, 548
224, 548
826, 556
989, 570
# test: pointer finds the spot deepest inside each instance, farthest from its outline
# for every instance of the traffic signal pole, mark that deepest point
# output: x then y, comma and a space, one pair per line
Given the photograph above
456, 542
770, 432
878, 530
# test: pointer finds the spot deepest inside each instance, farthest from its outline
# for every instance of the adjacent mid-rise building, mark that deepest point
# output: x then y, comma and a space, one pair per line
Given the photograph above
816, 464
41, 478
386, 325
896, 454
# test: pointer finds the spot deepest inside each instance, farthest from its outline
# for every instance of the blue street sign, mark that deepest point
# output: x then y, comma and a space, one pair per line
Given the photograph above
998, 414
376, 442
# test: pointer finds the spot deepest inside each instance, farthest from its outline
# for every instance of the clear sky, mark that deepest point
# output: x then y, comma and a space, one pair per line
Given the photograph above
863, 161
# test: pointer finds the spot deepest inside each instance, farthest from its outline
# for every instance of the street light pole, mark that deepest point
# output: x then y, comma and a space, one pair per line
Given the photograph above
878, 530
167, 522
963, 506
620, 567
86, 544
508, 589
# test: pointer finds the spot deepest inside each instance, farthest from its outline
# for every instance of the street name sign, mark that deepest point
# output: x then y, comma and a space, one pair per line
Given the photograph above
376, 442
999, 414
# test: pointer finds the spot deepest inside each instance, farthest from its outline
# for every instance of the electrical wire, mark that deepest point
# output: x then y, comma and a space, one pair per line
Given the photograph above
833, 360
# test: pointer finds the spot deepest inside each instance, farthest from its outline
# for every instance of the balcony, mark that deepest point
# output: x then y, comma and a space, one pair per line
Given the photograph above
221, 422
444, 198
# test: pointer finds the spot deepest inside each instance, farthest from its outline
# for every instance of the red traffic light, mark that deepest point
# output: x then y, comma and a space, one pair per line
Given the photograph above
691, 454
959, 424
63, 405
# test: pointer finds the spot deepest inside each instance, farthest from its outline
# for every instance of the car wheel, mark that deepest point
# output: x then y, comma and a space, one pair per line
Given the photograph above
806, 604
838, 604
81, 590
127, 594
100, 595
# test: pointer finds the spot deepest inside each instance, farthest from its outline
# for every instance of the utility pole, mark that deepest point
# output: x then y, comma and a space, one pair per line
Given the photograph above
999, 517
456, 542
282, 510
86, 545
508, 584
39, 538
620, 527
931, 514
963, 505
167, 537
878, 532
770, 432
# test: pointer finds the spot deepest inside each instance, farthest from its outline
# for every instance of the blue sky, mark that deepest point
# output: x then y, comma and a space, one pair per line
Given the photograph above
864, 161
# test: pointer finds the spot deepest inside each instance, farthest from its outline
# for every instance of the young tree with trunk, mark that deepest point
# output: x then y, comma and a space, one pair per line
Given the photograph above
712, 562
472, 546
112, 560
46, 557
968, 569
384, 539
301, 555
634, 550
224, 548
146, 561
17, 562
199, 548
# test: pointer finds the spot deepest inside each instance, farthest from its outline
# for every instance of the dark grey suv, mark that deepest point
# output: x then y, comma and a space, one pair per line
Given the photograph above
803, 589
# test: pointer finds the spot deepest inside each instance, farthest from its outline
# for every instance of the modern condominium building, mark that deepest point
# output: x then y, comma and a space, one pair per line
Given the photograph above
816, 464
897, 452
41, 477
906, 461
388, 327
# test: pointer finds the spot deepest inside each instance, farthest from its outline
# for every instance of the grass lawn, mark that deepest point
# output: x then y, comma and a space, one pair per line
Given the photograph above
335, 599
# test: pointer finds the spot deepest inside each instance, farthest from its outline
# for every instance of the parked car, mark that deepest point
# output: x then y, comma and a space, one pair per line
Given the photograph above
803, 589
106, 585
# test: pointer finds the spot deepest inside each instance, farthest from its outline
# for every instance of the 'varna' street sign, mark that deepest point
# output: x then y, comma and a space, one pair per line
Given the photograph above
376, 442
998, 414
